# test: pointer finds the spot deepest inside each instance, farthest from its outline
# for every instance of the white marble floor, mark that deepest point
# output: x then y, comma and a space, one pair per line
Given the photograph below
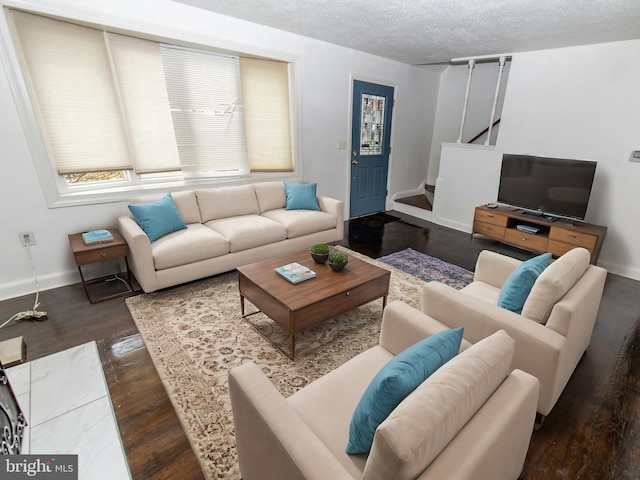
66, 402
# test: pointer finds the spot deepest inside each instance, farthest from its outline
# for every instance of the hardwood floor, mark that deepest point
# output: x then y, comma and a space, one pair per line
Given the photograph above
591, 433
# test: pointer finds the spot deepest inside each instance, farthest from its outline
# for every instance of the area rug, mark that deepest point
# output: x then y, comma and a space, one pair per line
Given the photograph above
429, 268
195, 335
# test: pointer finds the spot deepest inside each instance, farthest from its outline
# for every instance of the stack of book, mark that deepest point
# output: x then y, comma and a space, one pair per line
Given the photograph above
295, 273
97, 236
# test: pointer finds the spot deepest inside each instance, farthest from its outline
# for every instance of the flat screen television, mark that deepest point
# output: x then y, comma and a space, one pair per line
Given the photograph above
552, 187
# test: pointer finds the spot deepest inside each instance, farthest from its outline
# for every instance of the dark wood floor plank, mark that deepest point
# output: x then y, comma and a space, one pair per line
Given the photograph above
591, 433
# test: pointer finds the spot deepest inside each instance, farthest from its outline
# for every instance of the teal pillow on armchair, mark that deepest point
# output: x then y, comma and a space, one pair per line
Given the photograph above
516, 288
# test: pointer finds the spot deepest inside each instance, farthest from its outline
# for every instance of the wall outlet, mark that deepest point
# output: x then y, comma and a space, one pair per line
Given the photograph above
27, 238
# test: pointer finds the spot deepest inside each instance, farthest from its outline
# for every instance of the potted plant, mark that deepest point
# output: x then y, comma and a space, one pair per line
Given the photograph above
337, 260
320, 252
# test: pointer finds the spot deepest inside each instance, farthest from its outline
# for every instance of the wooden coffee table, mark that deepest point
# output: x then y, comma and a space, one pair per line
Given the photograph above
296, 307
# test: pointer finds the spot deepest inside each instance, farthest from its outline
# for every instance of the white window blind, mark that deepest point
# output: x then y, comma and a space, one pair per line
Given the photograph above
145, 104
207, 111
265, 89
71, 78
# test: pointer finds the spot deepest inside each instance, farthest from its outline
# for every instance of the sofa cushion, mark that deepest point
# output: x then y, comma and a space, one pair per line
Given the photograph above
516, 288
270, 195
397, 379
158, 218
301, 196
188, 246
248, 231
224, 202
554, 283
415, 433
302, 222
187, 206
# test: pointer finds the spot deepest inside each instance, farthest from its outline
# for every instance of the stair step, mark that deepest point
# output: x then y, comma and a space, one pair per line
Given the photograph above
419, 201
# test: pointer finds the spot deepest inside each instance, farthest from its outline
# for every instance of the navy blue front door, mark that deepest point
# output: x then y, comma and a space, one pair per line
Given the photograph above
370, 141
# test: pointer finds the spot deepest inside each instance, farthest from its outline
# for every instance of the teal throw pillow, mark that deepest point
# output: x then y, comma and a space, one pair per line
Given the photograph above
516, 288
301, 196
158, 219
397, 379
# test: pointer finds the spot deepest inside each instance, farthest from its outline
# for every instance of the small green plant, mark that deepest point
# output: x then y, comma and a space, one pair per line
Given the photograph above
320, 248
338, 257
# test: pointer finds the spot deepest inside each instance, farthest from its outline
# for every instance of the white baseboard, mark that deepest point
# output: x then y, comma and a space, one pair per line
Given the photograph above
46, 282
622, 270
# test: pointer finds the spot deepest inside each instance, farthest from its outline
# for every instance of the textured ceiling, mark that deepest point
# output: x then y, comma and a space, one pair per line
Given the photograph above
434, 31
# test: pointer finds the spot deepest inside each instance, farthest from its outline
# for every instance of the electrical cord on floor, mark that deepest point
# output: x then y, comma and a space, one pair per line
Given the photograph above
116, 276
33, 313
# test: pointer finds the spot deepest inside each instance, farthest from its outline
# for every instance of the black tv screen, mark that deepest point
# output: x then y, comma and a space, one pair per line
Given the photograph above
550, 186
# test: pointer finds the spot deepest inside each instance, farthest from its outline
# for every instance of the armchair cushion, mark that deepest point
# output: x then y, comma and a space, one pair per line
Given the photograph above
516, 288
554, 283
397, 379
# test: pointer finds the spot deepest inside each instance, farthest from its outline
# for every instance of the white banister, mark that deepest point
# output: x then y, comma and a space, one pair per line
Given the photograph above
495, 100
472, 63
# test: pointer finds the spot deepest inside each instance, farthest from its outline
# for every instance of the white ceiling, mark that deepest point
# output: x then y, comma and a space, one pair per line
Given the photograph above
433, 31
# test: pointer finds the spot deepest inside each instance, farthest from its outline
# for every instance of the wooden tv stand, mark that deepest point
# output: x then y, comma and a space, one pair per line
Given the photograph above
557, 237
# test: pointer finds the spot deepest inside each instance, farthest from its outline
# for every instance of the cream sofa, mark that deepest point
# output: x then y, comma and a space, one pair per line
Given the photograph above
471, 419
554, 328
227, 227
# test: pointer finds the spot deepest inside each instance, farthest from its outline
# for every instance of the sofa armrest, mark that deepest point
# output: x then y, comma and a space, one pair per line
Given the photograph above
403, 326
139, 256
494, 268
273, 442
335, 208
539, 350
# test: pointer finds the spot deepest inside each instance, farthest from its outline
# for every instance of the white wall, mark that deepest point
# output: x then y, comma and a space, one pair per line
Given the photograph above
324, 74
581, 103
410, 155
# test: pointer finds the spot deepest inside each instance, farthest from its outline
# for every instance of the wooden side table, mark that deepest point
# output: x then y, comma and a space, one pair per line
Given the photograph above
100, 252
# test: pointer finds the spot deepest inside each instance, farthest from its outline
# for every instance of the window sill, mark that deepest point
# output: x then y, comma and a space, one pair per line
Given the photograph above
124, 193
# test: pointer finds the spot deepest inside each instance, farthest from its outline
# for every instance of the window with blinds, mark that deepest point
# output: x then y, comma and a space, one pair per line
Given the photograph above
111, 102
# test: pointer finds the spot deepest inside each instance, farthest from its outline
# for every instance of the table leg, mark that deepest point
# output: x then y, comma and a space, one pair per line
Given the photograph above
292, 344
84, 284
242, 305
384, 302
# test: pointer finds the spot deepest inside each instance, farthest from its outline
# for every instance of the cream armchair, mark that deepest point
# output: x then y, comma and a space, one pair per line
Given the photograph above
554, 328
471, 419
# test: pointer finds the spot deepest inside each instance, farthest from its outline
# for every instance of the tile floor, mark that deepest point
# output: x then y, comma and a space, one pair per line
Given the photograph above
65, 399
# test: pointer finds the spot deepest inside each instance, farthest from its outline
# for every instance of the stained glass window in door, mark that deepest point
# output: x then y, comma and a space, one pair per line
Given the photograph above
371, 124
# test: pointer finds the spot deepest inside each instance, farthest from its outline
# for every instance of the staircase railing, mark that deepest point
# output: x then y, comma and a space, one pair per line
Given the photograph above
483, 132
472, 63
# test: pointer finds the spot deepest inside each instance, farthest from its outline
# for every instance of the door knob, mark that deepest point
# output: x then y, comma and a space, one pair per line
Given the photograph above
354, 162
354, 153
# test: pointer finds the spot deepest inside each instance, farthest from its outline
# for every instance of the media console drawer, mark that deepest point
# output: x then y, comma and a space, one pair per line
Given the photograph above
573, 237
491, 217
528, 241
489, 230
